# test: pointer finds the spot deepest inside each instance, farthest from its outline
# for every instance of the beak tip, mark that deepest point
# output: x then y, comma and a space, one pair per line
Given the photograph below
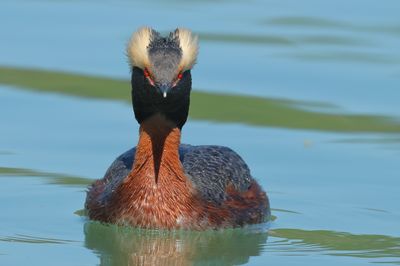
164, 88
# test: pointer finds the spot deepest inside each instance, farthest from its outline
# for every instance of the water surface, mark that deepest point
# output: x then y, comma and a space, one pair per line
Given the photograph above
322, 138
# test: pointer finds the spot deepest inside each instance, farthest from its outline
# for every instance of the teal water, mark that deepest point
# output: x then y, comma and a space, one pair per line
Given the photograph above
335, 196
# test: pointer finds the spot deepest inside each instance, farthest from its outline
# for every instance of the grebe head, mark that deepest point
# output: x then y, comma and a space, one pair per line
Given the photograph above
161, 80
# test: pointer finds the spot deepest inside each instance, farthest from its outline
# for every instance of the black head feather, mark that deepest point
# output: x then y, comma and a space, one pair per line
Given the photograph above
165, 56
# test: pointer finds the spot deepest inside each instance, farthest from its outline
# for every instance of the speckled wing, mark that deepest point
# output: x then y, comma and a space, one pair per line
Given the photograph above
116, 173
210, 168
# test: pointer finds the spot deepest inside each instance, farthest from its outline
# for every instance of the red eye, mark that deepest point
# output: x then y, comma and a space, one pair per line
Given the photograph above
146, 73
178, 78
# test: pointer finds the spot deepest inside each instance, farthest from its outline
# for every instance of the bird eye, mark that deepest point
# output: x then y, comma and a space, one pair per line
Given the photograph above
146, 73
177, 79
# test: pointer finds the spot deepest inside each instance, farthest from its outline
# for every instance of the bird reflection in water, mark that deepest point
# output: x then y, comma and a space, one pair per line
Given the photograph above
116, 245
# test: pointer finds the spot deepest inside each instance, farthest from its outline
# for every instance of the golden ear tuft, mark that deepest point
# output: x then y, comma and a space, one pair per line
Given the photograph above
137, 47
189, 45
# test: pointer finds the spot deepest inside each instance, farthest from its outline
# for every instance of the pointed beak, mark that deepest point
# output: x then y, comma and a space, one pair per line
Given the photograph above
164, 89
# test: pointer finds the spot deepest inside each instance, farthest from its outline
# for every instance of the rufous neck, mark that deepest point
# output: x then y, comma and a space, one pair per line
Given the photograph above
158, 147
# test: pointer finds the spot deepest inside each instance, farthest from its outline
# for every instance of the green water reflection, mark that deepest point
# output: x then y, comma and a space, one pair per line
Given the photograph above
341, 243
50, 178
220, 107
280, 40
317, 22
128, 246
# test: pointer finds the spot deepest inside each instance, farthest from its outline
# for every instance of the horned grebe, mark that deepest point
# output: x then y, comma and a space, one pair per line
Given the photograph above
161, 183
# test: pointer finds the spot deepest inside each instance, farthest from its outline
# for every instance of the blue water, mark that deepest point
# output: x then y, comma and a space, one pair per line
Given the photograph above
320, 183
325, 184
342, 53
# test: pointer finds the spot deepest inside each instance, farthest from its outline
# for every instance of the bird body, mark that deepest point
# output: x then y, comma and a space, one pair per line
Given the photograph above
161, 183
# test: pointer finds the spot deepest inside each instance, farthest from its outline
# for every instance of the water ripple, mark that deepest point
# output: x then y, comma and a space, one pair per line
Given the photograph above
20, 238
